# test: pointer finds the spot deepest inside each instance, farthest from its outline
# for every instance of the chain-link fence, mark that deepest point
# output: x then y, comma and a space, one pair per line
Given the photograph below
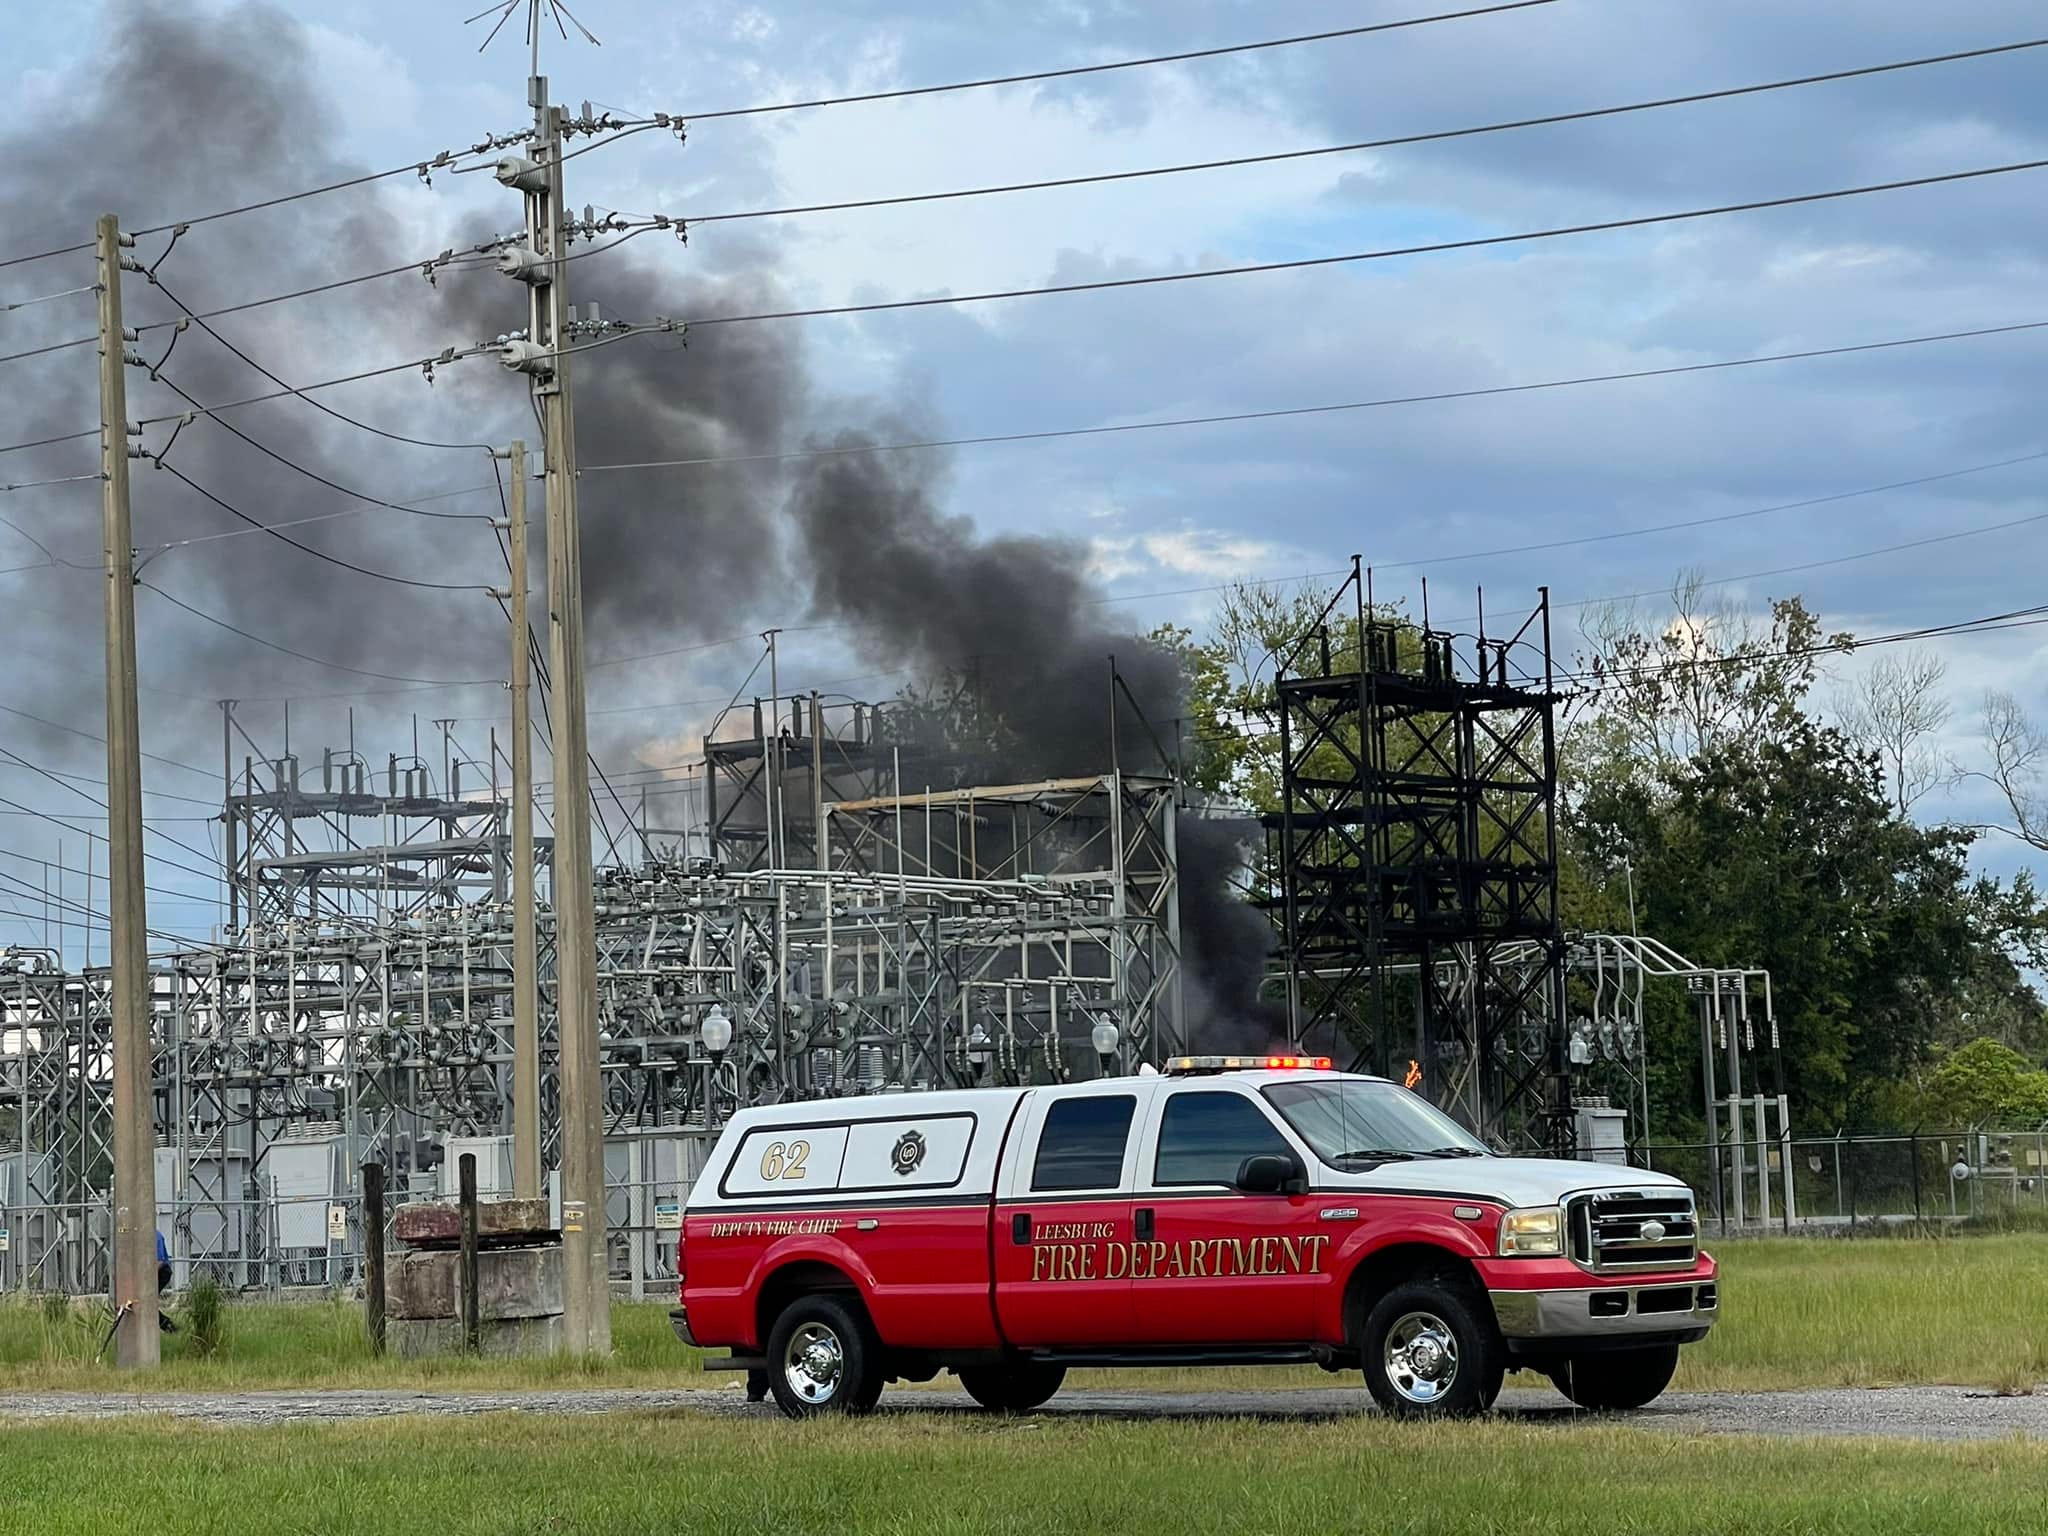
282, 1243
1798, 1183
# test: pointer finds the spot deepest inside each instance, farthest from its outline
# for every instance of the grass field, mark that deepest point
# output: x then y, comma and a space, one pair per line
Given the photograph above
1794, 1313
947, 1473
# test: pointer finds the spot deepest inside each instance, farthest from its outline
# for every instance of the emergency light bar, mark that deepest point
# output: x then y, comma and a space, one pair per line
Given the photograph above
1186, 1066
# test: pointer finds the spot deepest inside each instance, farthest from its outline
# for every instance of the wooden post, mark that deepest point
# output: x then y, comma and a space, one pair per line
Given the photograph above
136, 1345
472, 1325
373, 1253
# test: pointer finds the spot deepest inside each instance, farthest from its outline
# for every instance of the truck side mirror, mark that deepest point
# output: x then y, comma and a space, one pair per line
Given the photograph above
1271, 1173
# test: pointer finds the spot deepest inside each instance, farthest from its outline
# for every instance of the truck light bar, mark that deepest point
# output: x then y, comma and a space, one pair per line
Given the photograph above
1186, 1066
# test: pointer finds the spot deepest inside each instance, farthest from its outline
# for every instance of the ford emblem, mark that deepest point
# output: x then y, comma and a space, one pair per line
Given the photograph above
1653, 1231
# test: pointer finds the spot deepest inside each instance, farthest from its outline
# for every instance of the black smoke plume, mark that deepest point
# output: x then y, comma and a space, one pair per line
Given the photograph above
185, 114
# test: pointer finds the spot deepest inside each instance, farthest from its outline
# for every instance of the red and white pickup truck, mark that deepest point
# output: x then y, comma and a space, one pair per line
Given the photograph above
1228, 1211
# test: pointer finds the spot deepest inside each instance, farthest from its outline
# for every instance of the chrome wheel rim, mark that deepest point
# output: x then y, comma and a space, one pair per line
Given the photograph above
1421, 1358
813, 1363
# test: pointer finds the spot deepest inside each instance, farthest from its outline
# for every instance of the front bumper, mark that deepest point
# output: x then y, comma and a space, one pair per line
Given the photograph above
679, 1321
1679, 1311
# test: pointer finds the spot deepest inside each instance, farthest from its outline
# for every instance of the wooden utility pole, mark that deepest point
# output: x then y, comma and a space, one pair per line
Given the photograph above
526, 1173
587, 1282
136, 1346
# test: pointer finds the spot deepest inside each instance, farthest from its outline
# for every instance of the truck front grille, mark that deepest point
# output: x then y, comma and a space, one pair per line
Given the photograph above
1629, 1231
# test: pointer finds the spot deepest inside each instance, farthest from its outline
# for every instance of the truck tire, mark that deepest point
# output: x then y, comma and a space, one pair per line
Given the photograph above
1018, 1387
823, 1357
1617, 1379
1431, 1351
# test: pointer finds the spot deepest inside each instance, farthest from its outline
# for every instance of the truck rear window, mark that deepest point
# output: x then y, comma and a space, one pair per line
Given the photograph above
1082, 1144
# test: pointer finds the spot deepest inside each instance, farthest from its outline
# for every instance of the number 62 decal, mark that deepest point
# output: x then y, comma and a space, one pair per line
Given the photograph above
784, 1162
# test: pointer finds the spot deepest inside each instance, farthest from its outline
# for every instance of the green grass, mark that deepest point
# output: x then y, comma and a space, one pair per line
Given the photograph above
1795, 1313
292, 1345
945, 1473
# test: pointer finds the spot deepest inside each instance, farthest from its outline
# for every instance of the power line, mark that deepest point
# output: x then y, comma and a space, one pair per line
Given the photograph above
318, 661
29, 810
101, 805
2017, 618
1398, 141
44, 442
1437, 247
1097, 69
307, 549
445, 159
314, 288
72, 730
45, 298
1220, 419
447, 355
1834, 560
318, 405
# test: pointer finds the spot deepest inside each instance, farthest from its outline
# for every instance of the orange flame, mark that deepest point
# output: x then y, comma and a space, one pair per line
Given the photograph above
1414, 1074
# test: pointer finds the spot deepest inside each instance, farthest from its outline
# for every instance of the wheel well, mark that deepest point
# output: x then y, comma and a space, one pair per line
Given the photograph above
805, 1278
1380, 1272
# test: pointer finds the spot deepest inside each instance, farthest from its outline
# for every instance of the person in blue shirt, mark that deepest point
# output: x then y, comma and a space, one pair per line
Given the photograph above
163, 1280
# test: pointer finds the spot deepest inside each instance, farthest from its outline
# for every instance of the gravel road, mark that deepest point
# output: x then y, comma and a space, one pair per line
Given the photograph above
1912, 1413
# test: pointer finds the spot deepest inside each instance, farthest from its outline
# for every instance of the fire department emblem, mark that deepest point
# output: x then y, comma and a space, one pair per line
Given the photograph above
909, 1153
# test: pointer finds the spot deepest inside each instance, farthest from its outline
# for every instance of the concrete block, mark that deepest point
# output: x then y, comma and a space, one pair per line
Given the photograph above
438, 1223
510, 1282
412, 1338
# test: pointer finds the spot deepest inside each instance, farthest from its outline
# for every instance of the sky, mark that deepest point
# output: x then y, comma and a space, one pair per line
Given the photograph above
1161, 518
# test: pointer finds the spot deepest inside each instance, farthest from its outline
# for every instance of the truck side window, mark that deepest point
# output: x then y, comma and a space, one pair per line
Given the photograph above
1082, 1144
1203, 1137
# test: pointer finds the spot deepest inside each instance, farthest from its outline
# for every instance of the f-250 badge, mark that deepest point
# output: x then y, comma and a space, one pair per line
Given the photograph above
908, 1154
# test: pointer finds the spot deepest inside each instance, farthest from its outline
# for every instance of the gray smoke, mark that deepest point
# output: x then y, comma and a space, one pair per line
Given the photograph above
188, 115
1015, 621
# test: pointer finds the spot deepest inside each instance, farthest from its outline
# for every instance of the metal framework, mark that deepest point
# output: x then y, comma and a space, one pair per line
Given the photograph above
285, 1060
1418, 828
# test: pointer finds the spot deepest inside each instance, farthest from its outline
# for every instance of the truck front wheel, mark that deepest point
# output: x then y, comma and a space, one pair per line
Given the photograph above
1618, 1379
823, 1358
1013, 1388
1430, 1352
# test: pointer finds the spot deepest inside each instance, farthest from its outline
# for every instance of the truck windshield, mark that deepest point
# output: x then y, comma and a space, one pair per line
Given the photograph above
1352, 1123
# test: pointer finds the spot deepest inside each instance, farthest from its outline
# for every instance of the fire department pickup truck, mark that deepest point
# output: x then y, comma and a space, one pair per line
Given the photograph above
1230, 1210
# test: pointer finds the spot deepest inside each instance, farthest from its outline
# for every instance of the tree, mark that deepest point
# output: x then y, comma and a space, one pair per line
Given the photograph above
1785, 853
1708, 674
2017, 753
1895, 711
1985, 1083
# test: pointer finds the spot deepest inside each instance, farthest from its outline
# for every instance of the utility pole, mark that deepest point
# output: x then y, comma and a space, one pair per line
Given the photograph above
544, 354
525, 941
136, 1346
771, 751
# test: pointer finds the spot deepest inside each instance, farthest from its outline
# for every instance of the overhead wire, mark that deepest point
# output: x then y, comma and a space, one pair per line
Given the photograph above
1434, 247
1073, 71
318, 405
1333, 408
1394, 142
318, 554
318, 661
445, 159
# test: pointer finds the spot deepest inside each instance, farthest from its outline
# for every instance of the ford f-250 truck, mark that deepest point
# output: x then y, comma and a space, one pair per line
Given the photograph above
1227, 1211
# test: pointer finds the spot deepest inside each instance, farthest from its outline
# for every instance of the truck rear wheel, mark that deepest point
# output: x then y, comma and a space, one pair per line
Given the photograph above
823, 1357
1014, 1388
1617, 1379
1429, 1352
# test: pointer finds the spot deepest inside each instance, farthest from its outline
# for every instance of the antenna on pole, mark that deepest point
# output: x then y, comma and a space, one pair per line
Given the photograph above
554, 10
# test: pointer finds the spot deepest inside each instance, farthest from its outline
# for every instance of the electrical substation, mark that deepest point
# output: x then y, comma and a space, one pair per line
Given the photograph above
827, 923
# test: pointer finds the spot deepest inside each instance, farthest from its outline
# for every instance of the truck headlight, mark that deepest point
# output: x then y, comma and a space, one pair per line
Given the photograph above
1534, 1233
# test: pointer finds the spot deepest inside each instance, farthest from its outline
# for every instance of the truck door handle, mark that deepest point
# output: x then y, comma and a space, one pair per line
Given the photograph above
1020, 1227
1141, 1225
